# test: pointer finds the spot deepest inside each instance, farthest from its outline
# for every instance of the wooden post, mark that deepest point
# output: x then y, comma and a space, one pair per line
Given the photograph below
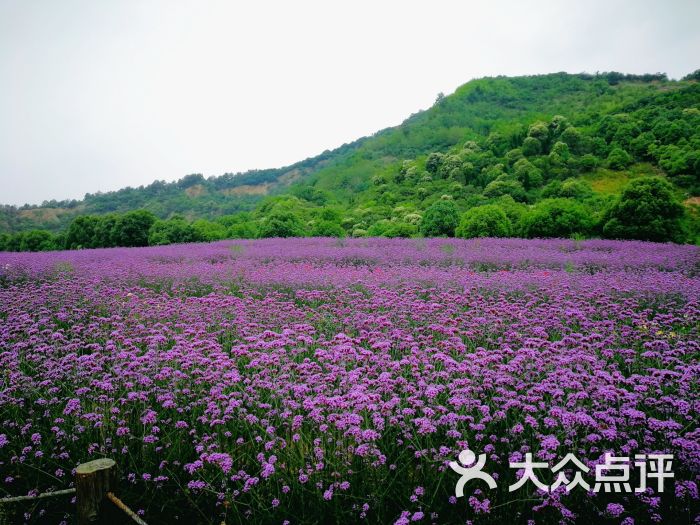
92, 482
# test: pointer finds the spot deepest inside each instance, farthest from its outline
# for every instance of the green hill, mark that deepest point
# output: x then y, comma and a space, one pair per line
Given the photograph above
560, 147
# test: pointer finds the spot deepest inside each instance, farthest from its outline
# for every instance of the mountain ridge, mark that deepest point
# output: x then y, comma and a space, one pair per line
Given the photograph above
481, 110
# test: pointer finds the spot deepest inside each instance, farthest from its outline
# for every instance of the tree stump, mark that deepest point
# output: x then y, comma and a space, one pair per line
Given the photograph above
92, 482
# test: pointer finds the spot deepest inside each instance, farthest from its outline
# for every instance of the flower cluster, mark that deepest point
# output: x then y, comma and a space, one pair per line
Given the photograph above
318, 380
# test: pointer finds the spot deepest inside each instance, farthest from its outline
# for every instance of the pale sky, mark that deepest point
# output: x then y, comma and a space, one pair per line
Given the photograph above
98, 95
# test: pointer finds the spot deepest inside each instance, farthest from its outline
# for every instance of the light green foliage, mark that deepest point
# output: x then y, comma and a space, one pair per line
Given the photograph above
642, 145
490, 174
499, 188
588, 162
569, 189
557, 218
557, 126
209, 231
514, 156
327, 228
282, 224
513, 210
239, 226
242, 230
312, 195
540, 132
619, 159
497, 143
450, 167
560, 152
573, 138
386, 228
677, 160
172, 231
330, 214
531, 147
484, 221
432, 165
440, 219
528, 174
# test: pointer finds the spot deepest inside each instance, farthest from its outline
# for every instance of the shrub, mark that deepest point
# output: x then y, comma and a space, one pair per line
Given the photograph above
401, 229
528, 174
242, 230
326, 228
619, 159
386, 228
131, 229
531, 146
440, 219
646, 210
5, 240
209, 231
37, 241
433, 163
282, 224
568, 189
588, 162
484, 221
572, 138
173, 231
81, 232
499, 188
557, 218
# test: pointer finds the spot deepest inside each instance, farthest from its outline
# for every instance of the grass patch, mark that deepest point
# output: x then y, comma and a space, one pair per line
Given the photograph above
610, 182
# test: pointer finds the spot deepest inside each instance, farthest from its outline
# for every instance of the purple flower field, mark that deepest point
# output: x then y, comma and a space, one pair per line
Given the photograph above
332, 381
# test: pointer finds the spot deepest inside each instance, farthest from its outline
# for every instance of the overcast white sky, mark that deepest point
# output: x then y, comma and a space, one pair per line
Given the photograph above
98, 95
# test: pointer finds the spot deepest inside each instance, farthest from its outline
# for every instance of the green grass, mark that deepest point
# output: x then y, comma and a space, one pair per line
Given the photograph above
610, 182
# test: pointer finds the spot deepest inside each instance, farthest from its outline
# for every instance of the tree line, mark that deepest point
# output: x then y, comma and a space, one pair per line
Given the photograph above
646, 210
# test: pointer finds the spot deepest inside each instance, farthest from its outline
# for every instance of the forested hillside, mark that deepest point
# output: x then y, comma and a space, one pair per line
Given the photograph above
558, 155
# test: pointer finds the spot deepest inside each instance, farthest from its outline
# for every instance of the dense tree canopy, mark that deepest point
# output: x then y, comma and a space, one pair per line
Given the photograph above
327, 228
131, 229
484, 221
440, 219
647, 209
557, 218
173, 231
282, 224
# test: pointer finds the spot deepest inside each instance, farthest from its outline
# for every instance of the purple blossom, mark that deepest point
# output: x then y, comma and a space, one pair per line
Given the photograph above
614, 509
298, 358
